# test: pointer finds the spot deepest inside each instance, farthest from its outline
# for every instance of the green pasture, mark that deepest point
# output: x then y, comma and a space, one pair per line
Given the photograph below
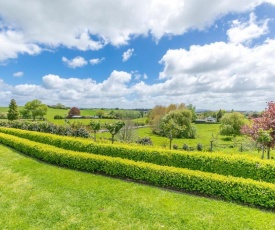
205, 133
35, 195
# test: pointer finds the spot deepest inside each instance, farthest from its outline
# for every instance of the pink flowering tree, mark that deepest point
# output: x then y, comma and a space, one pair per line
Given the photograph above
262, 129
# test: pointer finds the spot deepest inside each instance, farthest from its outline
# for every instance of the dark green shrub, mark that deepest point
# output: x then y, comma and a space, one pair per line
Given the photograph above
58, 117
185, 147
199, 147
175, 146
145, 141
77, 129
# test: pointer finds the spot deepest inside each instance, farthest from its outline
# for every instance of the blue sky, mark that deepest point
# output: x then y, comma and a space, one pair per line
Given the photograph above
214, 54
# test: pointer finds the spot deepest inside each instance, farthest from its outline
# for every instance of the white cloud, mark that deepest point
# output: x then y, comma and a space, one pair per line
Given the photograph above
96, 61
229, 74
18, 74
75, 62
127, 54
85, 25
13, 43
247, 31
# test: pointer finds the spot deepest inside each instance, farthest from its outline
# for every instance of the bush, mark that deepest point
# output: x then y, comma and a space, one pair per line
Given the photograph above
234, 165
185, 147
199, 147
3, 116
58, 117
175, 146
77, 129
144, 141
228, 188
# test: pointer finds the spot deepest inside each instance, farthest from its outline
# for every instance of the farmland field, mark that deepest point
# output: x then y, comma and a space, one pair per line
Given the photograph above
205, 133
35, 195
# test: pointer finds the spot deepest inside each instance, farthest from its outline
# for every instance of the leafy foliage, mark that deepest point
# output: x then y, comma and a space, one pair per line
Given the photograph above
172, 126
35, 108
114, 128
178, 124
262, 129
231, 124
95, 126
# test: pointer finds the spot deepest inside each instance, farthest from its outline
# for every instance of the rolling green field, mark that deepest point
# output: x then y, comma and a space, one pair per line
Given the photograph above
35, 195
205, 133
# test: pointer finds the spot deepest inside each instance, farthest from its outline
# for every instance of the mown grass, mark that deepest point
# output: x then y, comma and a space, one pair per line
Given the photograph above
35, 195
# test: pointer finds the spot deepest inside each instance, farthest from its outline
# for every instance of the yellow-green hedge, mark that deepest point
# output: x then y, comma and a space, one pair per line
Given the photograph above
226, 187
225, 164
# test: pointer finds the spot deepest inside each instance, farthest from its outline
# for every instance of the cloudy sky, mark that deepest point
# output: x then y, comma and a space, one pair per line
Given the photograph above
214, 54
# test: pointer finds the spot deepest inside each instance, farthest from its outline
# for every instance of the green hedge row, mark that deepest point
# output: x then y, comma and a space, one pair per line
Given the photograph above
226, 187
225, 164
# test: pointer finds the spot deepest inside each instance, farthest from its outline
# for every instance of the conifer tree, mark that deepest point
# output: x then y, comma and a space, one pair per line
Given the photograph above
13, 112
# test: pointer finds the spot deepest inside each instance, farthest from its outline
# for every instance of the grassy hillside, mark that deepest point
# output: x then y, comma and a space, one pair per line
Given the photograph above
35, 195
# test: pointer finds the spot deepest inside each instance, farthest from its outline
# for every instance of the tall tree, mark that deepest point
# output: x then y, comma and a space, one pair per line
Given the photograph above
114, 128
36, 108
13, 112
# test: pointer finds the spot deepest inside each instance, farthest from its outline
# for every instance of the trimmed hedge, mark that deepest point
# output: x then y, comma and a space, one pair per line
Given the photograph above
234, 165
226, 187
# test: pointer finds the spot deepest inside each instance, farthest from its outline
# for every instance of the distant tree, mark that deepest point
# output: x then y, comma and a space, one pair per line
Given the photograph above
35, 108
100, 113
74, 111
60, 106
95, 126
13, 112
231, 124
114, 128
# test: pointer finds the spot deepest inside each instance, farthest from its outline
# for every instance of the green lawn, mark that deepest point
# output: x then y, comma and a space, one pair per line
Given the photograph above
35, 195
